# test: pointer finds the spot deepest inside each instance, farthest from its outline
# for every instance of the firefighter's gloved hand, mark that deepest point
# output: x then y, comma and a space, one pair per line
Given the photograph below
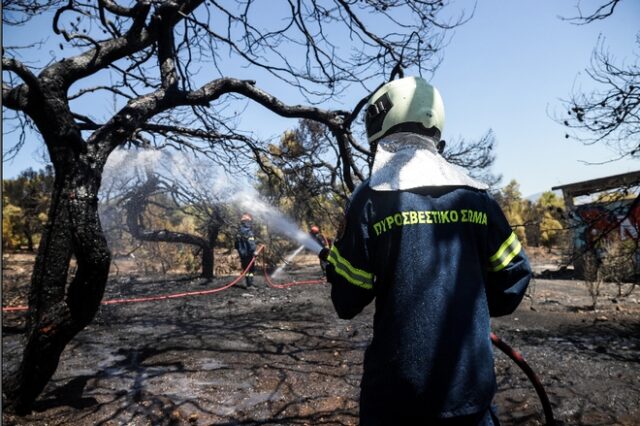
324, 254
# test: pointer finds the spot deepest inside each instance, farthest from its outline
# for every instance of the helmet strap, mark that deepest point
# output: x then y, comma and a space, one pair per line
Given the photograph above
376, 112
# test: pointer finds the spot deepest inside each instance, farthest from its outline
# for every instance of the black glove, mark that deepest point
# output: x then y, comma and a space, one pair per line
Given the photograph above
324, 254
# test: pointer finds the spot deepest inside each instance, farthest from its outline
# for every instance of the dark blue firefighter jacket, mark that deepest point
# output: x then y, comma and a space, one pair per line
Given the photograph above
439, 261
245, 241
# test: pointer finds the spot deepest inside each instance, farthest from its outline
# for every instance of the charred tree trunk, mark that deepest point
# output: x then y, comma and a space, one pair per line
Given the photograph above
208, 255
57, 310
135, 211
29, 238
207, 262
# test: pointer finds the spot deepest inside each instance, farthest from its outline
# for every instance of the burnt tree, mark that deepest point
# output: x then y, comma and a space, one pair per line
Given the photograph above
213, 219
609, 114
165, 65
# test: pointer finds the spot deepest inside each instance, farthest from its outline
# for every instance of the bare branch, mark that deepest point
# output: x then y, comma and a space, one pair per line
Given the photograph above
611, 113
111, 89
603, 11
19, 12
11, 64
116, 9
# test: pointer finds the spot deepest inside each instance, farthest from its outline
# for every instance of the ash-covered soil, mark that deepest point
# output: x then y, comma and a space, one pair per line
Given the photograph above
269, 356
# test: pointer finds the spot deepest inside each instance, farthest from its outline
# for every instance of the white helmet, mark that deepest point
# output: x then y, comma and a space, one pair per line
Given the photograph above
408, 104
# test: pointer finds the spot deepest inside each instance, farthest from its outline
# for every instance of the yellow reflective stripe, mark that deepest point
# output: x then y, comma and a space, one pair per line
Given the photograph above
508, 258
352, 274
503, 247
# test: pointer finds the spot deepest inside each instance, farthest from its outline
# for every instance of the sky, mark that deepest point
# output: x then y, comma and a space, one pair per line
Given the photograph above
507, 70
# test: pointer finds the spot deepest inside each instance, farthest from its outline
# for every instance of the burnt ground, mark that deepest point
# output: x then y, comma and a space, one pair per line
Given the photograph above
269, 356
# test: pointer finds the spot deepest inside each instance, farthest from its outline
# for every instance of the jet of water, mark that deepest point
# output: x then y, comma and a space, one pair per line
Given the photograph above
287, 261
277, 221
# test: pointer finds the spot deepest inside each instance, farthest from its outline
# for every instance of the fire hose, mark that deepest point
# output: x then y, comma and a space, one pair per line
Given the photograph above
162, 296
497, 341
24, 308
537, 384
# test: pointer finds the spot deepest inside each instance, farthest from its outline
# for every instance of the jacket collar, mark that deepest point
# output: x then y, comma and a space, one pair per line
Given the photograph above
408, 160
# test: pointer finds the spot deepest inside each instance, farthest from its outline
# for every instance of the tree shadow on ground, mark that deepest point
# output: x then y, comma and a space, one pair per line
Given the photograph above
562, 273
281, 357
215, 361
580, 365
70, 394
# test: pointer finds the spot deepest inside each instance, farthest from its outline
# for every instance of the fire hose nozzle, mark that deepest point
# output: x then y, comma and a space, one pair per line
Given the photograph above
324, 254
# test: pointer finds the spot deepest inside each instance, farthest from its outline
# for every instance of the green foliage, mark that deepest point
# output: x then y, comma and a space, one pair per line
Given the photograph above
293, 179
514, 208
549, 209
544, 222
535, 224
25, 202
11, 215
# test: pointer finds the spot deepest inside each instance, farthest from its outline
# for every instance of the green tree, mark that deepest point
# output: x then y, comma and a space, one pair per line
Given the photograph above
11, 215
550, 210
300, 178
26, 199
514, 207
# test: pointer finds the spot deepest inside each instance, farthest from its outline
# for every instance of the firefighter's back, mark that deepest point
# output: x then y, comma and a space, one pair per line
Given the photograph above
430, 347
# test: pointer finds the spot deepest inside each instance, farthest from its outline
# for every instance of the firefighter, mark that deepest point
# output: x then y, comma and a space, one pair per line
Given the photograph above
435, 251
246, 245
324, 243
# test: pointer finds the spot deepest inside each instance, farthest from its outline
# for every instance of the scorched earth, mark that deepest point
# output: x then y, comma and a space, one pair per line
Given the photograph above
280, 356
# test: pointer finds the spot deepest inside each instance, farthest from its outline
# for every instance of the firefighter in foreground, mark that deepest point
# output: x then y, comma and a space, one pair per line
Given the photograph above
245, 244
435, 251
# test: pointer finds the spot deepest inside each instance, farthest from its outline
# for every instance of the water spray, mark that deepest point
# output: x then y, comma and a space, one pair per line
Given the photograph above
212, 186
249, 200
286, 262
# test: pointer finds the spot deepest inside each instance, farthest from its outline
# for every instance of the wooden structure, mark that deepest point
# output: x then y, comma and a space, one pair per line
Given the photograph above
587, 187
593, 218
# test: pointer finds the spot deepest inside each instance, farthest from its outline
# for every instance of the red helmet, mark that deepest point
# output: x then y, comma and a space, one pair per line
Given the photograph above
315, 229
246, 217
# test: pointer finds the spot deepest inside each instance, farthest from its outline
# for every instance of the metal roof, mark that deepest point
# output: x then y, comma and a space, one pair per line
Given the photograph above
600, 184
